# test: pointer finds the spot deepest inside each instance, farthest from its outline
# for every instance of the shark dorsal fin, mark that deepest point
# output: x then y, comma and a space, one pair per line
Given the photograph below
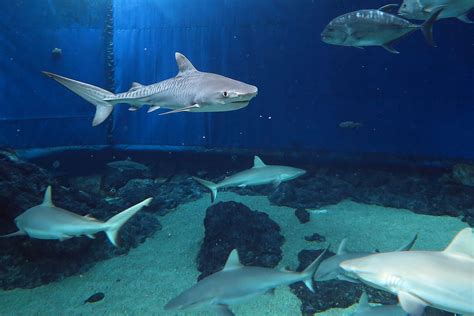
184, 65
463, 243
47, 200
257, 162
233, 261
363, 302
135, 86
342, 247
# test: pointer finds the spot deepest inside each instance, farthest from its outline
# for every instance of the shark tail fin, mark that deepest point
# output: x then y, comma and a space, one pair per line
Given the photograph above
95, 95
116, 222
211, 186
427, 26
311, 270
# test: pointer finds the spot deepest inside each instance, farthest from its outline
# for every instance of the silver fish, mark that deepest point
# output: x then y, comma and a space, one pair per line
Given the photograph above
422, 9
374, 28
190, 91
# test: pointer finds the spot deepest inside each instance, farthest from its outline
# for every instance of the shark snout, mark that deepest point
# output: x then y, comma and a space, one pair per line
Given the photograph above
248, 93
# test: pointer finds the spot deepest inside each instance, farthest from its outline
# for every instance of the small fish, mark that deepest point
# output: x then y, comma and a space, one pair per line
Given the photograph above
99, 296
374, 28
422, 9
258, 175
350, 124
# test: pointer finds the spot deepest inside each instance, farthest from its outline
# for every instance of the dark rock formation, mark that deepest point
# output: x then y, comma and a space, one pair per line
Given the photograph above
232, 225
302, 215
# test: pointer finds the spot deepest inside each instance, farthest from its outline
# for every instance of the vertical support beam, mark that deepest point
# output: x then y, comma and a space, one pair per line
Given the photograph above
109, 62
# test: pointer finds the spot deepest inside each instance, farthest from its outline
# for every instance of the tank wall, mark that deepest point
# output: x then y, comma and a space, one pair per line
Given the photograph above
419, 102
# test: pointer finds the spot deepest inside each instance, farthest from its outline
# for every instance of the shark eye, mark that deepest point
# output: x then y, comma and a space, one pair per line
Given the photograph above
225, 94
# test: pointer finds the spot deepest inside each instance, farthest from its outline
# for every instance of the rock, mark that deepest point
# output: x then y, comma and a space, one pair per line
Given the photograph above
231, 225
302, 215
118, 173
89, 184
334, 293
464, 173
315, 237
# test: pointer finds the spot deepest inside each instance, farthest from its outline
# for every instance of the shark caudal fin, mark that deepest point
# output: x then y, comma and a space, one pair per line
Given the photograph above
427, 26
114, 224
311, 270
90, 93
211, 186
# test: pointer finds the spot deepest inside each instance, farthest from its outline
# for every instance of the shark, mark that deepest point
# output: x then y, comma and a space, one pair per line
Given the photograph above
330, 269
259, 174
364, 309
47, 221
189, 91
236, 283
440, 279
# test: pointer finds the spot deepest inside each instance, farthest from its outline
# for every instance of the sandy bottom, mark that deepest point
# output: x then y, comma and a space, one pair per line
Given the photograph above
141, 282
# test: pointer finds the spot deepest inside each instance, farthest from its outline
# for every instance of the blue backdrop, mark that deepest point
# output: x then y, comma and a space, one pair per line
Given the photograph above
419, 102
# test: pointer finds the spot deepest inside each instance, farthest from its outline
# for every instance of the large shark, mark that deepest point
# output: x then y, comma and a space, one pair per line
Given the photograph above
236, 283
364, 309
258, 175
330, 269
46, 221
189, 91
440, 279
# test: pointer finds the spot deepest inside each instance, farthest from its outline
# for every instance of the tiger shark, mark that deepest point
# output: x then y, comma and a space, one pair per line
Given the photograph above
46, 221
440, 279
364, 309
330, 269
258, 175
189, 91
236, 283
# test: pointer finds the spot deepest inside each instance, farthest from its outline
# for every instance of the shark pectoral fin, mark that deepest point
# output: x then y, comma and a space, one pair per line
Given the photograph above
184, 109
17, 233
465, 18
223, 310
153, 108
271, 291
344, 277
276, 183
412, 305
389, 8
389, 47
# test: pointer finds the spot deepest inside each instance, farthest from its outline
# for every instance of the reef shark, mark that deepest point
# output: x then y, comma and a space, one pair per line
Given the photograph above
330, 269
440, 279
364, 309
46, 221
259, 174
189, 91
236, 283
